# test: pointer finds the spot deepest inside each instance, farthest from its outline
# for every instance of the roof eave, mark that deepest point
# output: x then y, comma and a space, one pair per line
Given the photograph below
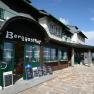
83, 35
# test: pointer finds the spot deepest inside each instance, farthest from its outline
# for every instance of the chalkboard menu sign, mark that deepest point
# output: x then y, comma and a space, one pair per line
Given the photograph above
8, 80
28, 72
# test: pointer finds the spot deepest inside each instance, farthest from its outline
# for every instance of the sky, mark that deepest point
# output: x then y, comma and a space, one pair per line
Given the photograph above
74, 12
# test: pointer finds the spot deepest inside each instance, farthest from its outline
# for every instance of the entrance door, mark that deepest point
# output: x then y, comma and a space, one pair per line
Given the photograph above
19, 60
79, 57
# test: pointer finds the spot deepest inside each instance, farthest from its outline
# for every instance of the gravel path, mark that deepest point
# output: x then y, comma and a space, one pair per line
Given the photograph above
73, 80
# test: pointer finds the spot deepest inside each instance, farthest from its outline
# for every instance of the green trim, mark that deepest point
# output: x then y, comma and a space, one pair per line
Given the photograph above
10, 65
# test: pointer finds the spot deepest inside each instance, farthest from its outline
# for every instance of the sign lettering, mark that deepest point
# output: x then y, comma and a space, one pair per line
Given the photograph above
11, 35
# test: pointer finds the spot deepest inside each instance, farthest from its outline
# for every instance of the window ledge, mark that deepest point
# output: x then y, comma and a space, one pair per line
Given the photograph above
63, 60
53, 61
56, 60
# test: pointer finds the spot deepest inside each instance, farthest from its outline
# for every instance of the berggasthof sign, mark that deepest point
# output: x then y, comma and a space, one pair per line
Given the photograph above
11, 35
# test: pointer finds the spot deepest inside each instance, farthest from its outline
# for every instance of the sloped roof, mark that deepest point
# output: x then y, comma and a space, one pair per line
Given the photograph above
75, 29
44, 13
27, 1
22, 6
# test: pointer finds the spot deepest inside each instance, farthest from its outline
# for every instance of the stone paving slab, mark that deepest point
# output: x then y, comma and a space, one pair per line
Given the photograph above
22, 85
73, 80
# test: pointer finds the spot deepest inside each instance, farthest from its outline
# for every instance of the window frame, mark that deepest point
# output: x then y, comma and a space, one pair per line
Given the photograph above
2, 11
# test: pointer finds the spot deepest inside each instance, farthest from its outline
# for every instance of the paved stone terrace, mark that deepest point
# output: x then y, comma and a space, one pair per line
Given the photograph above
73, 80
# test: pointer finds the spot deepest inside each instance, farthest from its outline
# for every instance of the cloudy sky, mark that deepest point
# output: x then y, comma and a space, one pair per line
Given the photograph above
74, 12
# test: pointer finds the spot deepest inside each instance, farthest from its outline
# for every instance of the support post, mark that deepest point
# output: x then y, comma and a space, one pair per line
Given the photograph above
89, 58
72, 57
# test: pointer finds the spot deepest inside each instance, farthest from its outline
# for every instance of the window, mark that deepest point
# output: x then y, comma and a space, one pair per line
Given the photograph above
1, 13
36, 52
53, 54
8, 52
47, 54
62, 54
32, 51
59, 54
55, 30
29, 53
65, 55
50, 54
